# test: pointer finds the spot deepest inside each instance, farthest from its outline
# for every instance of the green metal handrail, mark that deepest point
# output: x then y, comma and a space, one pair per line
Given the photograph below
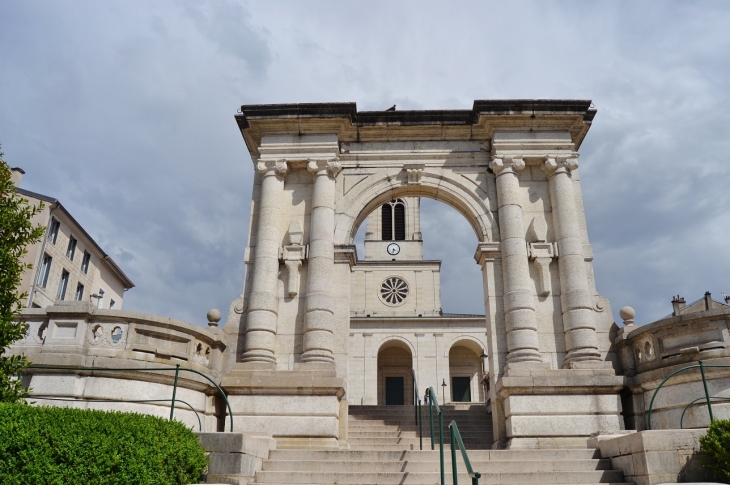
701, 367
417, 403
456, 438
433, 401
681, 419
51, 398
177, 370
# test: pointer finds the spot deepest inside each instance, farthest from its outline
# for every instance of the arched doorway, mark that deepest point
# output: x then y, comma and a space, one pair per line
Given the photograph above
465, 374
395, 381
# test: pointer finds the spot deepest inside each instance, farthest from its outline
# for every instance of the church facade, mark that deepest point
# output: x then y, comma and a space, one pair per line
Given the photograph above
397, 327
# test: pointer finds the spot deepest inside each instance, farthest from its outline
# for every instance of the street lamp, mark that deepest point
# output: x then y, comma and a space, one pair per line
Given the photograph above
443, 390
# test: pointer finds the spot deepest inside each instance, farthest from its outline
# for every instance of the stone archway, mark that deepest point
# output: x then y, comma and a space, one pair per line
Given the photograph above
395, 381
509, 167
466, 191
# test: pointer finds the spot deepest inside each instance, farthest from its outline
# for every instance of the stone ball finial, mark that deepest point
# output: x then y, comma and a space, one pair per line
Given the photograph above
214, 316
627, 314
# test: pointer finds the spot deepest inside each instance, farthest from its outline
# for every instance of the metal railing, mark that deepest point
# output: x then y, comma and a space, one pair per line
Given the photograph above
433, 401
51, 398
701, 366
456, 439
177, 370
417, 404
681, 419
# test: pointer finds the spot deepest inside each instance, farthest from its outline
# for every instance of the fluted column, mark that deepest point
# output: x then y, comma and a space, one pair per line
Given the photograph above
519, 305
576, 299
320, 303
263, 304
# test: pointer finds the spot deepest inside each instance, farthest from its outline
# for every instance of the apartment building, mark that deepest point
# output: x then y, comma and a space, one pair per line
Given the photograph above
67, 263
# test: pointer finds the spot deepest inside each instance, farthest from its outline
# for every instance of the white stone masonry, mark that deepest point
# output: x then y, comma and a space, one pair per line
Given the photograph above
260, 341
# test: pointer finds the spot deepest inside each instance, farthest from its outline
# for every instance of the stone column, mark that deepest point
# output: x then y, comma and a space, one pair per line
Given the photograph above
320, 305
263, 303
576, 299
519, 304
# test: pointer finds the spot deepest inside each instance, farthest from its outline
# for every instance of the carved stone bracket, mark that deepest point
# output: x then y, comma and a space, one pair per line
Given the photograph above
292, 255
542, 254
414, 172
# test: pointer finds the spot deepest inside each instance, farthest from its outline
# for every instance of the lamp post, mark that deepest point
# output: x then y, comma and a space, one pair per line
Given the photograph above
443, 390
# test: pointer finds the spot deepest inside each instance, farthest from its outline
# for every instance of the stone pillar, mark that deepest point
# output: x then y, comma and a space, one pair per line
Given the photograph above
576, 300
519, 304
320, 305
263, 303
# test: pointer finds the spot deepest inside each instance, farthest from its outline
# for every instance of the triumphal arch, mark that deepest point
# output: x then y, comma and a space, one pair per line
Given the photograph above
319, 328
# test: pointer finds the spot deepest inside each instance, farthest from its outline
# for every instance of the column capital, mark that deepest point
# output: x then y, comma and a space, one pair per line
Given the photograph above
506, 164
324, 166
560, 164
272, 167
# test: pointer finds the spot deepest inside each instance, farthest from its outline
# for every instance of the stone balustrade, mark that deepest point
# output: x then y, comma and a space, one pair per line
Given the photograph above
651, 352
78, 335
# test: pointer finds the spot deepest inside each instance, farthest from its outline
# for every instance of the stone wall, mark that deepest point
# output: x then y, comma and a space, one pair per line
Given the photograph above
79, 335
650, 353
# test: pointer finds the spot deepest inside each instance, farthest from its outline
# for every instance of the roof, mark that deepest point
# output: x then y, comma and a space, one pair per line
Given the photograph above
105, 257
479, 122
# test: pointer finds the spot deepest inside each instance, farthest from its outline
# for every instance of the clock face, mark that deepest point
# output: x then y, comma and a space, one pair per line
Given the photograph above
393, 249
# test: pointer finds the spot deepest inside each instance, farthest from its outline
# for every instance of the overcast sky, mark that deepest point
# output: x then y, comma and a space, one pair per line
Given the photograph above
124, 112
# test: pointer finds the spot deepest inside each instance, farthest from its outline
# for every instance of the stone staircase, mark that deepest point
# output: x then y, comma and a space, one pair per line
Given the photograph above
394, 428
384, 450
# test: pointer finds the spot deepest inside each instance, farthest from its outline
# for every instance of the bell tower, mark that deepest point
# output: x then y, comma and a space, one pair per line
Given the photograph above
393, 231
394, 279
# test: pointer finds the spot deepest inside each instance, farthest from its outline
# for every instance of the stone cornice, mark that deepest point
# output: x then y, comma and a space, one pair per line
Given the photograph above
479, 123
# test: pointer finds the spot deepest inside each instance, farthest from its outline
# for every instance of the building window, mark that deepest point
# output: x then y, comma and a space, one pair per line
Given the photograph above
71, 250
79, 292
45, 270
393, 223
63, 285
112, 303
53, 230
85, 262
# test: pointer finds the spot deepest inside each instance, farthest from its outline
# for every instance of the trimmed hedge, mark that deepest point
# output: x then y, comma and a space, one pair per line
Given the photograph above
716, 445
54, 445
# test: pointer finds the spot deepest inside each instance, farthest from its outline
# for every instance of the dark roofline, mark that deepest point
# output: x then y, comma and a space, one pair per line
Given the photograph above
105, 257
415, 117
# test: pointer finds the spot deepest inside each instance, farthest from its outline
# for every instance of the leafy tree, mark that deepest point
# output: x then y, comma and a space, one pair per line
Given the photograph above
16, 233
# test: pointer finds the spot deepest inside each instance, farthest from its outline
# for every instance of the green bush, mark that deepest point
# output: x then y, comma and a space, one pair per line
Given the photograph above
716, 445
59, 446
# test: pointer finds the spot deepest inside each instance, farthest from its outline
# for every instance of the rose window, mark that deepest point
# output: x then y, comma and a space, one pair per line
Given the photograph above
394, 291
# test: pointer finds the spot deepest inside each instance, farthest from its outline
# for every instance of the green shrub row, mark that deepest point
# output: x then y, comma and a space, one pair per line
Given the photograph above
53, 445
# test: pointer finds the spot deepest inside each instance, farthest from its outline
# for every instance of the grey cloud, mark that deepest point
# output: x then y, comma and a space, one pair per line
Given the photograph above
124, 111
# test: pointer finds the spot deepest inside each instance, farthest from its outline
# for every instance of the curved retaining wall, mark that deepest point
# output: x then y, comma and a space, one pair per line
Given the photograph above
76, 334
650, 353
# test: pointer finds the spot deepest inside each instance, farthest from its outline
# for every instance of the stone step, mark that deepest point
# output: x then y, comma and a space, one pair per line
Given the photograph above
448, 481
397, 433
403, 478
481, 430
415, 447
425, 417
433, 466
424, 411
427, 455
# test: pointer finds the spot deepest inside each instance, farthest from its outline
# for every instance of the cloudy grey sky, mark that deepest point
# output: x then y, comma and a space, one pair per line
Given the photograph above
124, 111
